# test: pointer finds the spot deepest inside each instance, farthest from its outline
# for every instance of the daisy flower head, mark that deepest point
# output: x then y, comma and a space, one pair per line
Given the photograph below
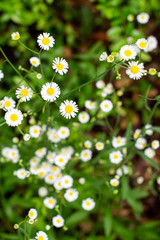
50, 202
135, 70
15, 35
41, 236
148, 129
24, 93
90, 104
110, 58
50, 91
87, 144
60, 65
83, 117
99, 146
114, 182
142, 43
116, 157
106, 106
58, 221
152, 44
67, 181
63, 132
103, 56
35, 131
13, 117
155, 144
1, 75
140, 143
41, 152
127, 52
143, 18
32, 213
137, 133
118, 141
8, 103
21, 173
88, 204
68, 109
45, 41
86, 155
108, 89
34, 61
149, 152
71, 195
100, 84
42, 191
61, 160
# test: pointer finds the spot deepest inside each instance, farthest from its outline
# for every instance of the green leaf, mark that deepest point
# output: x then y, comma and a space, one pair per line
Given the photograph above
108, 221
149, 160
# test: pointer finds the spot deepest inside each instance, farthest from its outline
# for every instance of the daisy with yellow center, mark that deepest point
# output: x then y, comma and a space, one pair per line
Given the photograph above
88, 204
35, 131
114, 182
71, 195
50, 202
86, 155
127, 52
155, 144
34, 61
106, 105
141, 43
68, 109
41, 236
24, 93
58, 221
143, 18
66, 181
83, 117
90, 104
99, 146
135, 70
50, 91
32, 213
63, 132
13, 117
45, 41
8, 103
61, 160
60, 65
15, 36
110, 58
116, 157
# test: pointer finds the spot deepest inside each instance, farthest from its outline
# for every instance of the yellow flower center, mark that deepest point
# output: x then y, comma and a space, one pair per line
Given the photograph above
142, 44
45, 41
61, 160
40, 238
106, 105
50, 201
50, 91
128, 53
16, 37
114, 183
13, 154
31, 214
13, 117
63, 132
115, 156
71, 193
99, 145
134, 69
83, 116
34, 62
7, 103
85, 155
35, 131
88, 203
59, 66
58, 220
22, 173
24, 92
50, 177
118, 140
54, 168
69, 109
66, 181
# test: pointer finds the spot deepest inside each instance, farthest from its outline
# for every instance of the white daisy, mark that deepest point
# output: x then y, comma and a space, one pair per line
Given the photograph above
86, 155
106, 105
67, 181
41, 236
34, 61
140, 143
8, 103
13, 117
21, 173
100, 84
149, 152
41, 152
118, 141
49, 178
127, 52
24, 93
88, 204
114, 182
142, 43
108, 89
58, 185
116, 157
60, 65
35, 131
32, 213
68, 109
1, 75
39, 76
90, 104
42, 191
71, 194
63, 132
99, 146
83, 117
15, 35
87, 144
148, 131
143, 18
45, 41
50, 91
50, 202
137, 133
14, 155
152, 44
135, 70
61, 160
58, 221
51, 156
103, 56
155, 144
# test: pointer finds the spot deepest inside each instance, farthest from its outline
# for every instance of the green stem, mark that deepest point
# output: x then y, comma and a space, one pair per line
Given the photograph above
20, 130
93, 80
53, 77
28, 47
109, 125
19, 102
25, 230
2, 124
39, 54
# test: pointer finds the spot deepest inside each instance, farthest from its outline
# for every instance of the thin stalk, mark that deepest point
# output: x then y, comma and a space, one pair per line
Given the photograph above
29, 49
20, 130
2, 124
39, 54
53, 77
